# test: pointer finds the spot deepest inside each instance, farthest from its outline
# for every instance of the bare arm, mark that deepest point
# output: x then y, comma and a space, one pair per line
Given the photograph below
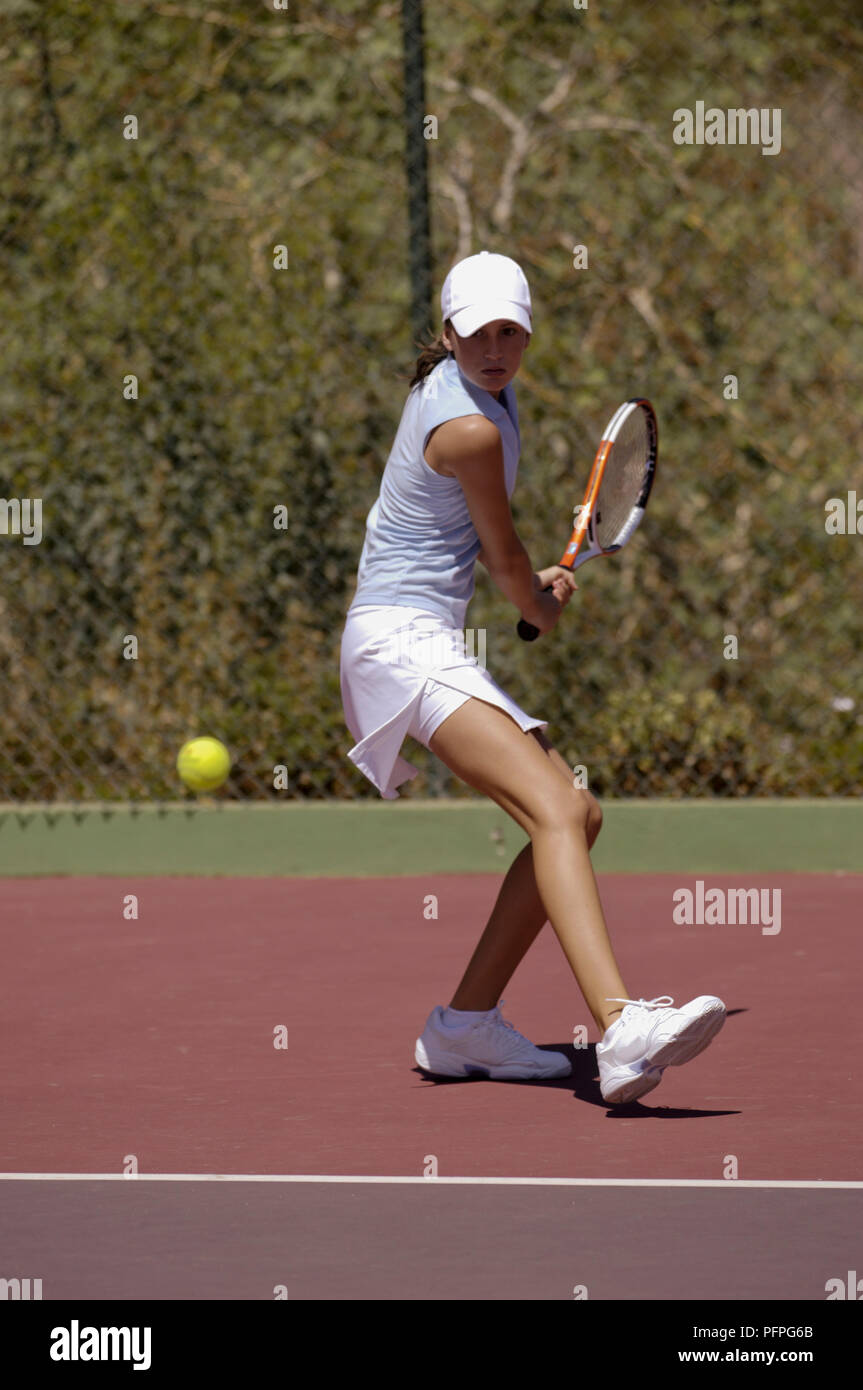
470, 449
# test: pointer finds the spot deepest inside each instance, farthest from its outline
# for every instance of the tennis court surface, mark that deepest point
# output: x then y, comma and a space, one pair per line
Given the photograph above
210, 1090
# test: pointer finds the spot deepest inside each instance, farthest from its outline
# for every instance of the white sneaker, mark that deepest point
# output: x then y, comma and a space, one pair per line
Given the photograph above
490, 1047
649, 1036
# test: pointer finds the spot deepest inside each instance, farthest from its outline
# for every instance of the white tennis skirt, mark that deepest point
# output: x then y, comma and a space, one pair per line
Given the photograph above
403, 672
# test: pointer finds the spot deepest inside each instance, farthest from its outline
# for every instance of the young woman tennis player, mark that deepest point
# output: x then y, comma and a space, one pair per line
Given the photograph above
443, 505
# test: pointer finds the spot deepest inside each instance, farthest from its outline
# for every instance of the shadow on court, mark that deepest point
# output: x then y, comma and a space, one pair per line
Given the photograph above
583, 1083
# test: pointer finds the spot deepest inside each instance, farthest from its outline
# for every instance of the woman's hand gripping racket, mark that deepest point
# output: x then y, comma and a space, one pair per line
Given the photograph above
617, 490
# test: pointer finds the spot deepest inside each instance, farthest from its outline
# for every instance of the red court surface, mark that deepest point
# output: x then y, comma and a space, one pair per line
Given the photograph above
155, 1037
150, 1041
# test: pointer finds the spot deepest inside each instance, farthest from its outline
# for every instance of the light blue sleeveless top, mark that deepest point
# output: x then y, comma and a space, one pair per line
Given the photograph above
421, 546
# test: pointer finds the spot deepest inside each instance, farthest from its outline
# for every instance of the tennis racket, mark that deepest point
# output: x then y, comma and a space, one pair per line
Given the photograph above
617, 490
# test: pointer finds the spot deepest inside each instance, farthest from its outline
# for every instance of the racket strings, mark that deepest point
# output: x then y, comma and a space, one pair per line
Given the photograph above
623, 480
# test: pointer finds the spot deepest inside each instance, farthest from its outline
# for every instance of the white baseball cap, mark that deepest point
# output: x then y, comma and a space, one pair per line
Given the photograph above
483, 288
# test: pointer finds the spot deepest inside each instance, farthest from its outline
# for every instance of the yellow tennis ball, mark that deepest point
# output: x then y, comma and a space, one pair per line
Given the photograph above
203, 764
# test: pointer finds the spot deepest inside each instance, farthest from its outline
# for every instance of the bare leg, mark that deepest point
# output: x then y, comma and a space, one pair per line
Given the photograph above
555, 880
516, 920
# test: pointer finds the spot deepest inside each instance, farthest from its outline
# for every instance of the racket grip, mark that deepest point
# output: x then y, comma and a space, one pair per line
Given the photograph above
526, 631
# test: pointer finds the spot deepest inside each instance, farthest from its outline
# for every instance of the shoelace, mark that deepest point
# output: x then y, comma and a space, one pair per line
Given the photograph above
497, 1016
663, 1001
497, 1020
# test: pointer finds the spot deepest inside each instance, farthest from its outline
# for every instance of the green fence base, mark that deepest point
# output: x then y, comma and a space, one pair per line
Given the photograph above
318, 839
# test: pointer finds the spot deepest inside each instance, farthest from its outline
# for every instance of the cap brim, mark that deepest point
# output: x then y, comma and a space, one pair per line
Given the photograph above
467, 321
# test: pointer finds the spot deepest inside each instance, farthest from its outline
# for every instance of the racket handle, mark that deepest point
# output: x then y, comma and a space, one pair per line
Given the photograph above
526, 631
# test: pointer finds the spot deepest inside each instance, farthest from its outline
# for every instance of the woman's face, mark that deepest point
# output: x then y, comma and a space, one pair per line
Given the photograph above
491, 356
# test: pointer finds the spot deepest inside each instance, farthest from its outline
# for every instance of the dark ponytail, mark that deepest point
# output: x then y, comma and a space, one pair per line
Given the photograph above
430, 354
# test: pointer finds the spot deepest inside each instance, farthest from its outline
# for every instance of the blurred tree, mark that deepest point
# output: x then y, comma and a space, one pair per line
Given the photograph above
261, 387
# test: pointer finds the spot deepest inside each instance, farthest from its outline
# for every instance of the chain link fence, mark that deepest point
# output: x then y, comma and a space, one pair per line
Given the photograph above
206, 345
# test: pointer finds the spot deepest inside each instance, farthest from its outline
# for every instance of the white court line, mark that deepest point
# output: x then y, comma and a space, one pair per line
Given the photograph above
427, 1182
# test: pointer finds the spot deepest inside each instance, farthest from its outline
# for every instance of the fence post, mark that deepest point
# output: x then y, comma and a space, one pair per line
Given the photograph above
416, 165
